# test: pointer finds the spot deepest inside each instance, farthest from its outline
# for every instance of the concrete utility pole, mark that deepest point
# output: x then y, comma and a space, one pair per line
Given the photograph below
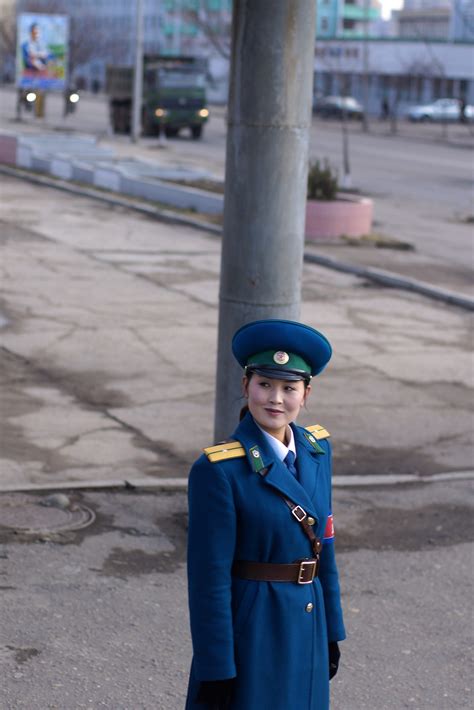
138, 74
269, 116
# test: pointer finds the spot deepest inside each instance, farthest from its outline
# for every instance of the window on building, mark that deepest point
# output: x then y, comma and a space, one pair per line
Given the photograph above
348, 24
324, 24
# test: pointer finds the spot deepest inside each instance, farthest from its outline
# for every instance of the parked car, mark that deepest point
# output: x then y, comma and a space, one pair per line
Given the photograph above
336, 106
440, 110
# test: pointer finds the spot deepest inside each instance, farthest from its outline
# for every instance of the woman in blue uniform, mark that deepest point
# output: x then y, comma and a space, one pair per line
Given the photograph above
263, 584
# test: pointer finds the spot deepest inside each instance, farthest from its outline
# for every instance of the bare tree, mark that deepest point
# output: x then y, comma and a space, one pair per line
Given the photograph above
214, 26
7, 42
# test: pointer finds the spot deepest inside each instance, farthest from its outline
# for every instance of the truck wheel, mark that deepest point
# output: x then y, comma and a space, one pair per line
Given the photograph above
196, 132
171, 132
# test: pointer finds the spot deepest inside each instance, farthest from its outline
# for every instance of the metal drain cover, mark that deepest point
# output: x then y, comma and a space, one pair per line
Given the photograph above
33, 515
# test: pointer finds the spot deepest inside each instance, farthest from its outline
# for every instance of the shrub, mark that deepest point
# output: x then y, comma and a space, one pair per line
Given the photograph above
322, 181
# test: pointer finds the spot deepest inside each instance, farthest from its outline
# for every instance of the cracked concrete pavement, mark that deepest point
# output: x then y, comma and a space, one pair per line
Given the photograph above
97, 618
109, 345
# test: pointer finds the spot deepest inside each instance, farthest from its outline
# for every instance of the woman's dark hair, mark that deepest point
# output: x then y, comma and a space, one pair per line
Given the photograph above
243, 412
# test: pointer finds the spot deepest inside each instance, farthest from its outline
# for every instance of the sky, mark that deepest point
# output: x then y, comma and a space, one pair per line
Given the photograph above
388, 5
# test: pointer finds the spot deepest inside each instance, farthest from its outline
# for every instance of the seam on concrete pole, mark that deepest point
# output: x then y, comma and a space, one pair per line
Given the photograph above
269, 117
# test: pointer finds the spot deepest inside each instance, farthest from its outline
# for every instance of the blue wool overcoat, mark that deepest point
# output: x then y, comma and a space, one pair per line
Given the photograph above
261, 632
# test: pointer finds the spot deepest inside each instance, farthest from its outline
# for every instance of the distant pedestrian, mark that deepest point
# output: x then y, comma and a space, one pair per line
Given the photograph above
385, 109
462, 110
264, 594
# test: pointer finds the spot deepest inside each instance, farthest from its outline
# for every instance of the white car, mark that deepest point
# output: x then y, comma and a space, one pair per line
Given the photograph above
440, 110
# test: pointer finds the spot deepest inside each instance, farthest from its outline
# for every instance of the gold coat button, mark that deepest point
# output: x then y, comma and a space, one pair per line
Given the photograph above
311, 521
309, 607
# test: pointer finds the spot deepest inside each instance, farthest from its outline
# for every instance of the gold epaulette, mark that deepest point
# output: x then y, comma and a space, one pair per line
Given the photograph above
318, 431
225, 450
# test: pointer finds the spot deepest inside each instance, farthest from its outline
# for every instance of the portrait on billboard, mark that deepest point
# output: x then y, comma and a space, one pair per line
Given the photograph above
42, 51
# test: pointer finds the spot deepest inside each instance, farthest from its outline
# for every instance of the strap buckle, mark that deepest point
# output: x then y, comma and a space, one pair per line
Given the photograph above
308, 571
299, 513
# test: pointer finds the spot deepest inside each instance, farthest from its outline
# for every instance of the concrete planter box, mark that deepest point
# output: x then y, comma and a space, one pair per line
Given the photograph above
348, 215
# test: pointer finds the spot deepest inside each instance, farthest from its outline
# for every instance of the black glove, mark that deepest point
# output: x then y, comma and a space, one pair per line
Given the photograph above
334, 656
216, 694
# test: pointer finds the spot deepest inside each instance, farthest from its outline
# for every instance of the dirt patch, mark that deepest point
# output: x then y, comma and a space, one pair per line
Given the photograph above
419, 528
22, 655
13, 232
365, 460
202, 184
122, 563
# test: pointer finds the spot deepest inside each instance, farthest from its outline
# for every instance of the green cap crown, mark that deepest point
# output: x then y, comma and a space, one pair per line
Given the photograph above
279, 359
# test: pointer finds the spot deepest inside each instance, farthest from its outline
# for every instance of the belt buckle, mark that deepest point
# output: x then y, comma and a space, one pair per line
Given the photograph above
307, 567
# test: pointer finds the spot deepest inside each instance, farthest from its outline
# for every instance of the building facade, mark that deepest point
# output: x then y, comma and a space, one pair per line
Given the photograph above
346, 18
402, 72
451, 20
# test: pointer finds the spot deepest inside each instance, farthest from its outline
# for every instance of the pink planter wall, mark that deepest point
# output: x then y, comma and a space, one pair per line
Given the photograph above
349, 215
8, 145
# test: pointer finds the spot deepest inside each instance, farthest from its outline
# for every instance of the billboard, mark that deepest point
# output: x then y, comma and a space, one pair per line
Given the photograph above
42, 51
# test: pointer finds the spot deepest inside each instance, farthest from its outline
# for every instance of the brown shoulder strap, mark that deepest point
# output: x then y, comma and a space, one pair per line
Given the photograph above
302, 517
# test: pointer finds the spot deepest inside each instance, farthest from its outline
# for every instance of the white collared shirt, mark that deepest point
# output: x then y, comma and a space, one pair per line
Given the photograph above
279, 449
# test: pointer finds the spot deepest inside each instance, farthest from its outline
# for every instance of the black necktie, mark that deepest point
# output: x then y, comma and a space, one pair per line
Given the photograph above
289, 461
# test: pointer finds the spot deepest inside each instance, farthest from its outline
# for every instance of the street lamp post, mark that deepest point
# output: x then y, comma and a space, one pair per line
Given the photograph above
138, 73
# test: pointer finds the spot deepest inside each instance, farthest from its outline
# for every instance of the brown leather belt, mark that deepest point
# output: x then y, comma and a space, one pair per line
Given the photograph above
300, 572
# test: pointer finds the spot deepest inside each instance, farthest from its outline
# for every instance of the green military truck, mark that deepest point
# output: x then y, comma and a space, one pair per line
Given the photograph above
174, 95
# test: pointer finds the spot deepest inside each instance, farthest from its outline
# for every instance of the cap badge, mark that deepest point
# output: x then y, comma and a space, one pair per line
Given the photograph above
280, 357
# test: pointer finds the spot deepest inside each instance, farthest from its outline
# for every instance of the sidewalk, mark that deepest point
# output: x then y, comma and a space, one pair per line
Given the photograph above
107, 375
400, 221
109, 353
108, 330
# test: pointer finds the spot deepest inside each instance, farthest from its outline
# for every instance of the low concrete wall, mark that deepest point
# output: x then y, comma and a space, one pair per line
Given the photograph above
349, 215
61, 168
176, 195
76, 162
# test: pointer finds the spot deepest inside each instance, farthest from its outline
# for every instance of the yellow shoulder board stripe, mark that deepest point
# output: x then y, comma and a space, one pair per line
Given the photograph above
318, 431
226, 450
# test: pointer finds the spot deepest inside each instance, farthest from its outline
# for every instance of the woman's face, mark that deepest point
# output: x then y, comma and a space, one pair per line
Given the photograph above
274, 403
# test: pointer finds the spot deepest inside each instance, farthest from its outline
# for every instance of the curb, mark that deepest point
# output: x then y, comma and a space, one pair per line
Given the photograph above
180, 485
378, 276
386, 278
169, 216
